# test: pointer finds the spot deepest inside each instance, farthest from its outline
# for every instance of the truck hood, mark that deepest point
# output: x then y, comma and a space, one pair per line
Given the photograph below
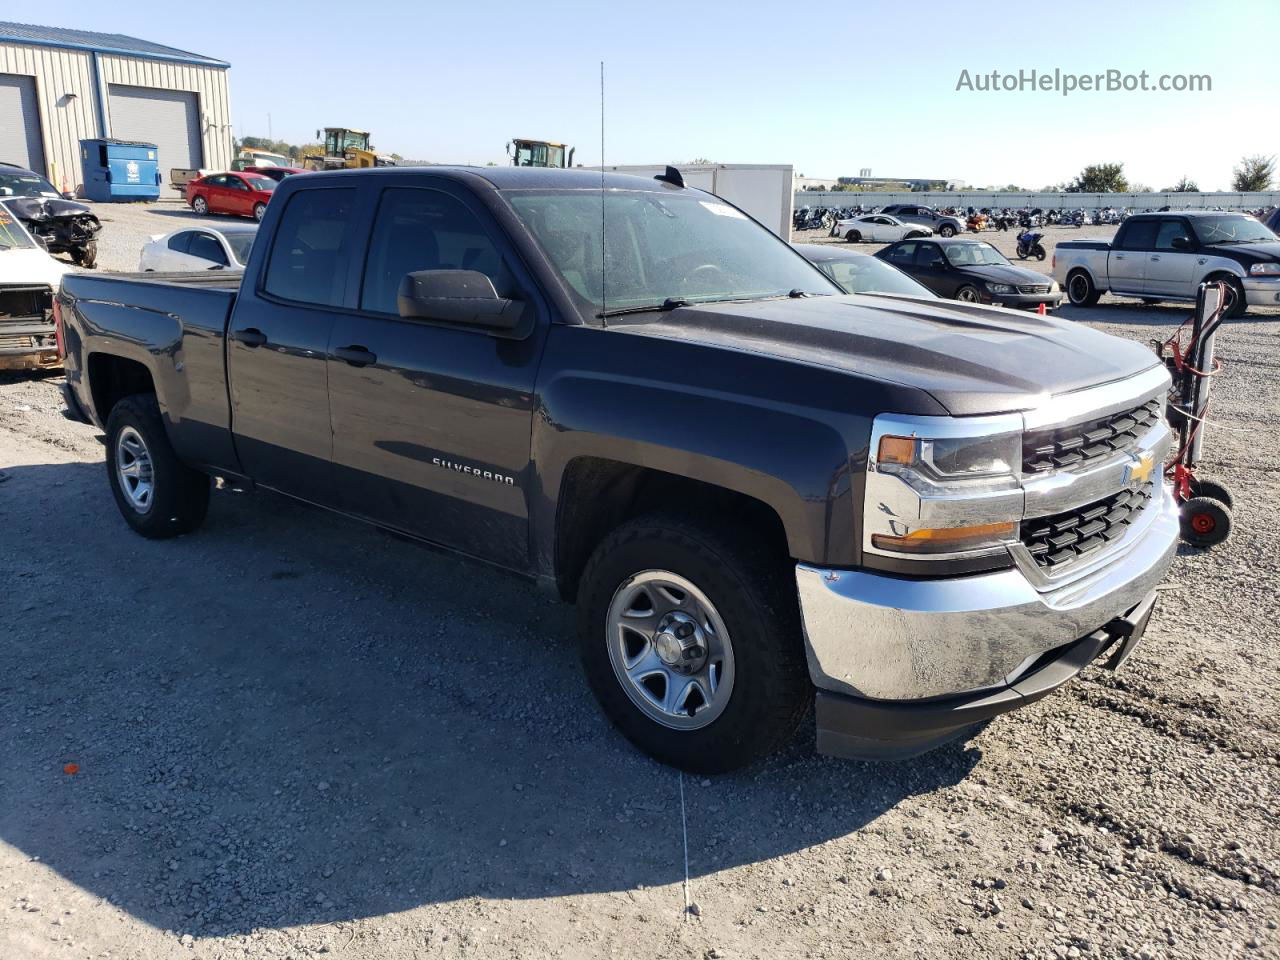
973, 360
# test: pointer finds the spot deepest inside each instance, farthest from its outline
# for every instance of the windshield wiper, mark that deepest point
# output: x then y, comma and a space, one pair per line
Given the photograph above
668, 304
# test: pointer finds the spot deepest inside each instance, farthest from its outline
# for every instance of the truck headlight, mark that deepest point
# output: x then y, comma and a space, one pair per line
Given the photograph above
949, 488
1265, 269
1000, 288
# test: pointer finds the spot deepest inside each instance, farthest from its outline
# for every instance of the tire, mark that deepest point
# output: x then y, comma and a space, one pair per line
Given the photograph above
727, 578
1236, 302
1039, 253
1081, 291
946, 230
968, 294
1204, 522
200, 206
86, 256
1213, 490
853, 236
139, 454
259, 211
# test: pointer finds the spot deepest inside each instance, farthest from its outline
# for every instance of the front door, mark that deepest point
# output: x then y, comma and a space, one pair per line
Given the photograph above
431, 425
278, 344
931, 270
1171, 266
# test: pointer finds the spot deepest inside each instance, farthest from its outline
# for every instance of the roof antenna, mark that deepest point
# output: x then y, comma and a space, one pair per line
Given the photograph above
603, 302
671, 176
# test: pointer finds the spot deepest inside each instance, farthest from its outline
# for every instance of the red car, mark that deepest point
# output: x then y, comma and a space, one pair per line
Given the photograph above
240, 194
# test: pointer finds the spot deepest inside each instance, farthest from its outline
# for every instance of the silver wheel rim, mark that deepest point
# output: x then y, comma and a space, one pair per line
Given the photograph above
134, 469
967, 295
200, 205
670, 650
259, 211
1079, 289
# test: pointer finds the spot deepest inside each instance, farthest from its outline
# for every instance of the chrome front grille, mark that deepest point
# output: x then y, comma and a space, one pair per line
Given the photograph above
1033, 288
1081, 444
1066, 536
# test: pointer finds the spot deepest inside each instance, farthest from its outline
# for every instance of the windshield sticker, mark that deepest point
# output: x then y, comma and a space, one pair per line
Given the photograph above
723, 210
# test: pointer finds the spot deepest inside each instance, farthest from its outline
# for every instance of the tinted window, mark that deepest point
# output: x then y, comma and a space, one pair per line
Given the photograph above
901, 254
207, 248
1140, 235
240, 242
930, 256
311, 251
1169, 230
261, 183
235, 183
217, 181
420, 229
178, 242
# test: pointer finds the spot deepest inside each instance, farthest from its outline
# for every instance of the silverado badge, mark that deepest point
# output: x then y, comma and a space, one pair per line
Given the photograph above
1138, 472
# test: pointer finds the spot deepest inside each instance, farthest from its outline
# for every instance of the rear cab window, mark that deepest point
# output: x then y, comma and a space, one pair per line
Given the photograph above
311, 251
1138, 235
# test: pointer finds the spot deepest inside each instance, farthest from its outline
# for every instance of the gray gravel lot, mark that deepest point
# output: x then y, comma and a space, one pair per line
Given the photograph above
297, 736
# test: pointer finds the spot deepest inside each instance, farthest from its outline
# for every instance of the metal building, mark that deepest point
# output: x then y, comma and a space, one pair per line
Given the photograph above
59, 86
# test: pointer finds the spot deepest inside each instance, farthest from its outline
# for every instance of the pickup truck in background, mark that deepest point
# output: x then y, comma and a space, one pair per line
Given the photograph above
1166, 256
758, 490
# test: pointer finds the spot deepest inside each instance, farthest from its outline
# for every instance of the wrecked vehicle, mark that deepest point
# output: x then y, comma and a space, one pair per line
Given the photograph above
59, 224
29, 277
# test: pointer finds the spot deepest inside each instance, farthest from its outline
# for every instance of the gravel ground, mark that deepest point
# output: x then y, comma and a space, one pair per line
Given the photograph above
296, 736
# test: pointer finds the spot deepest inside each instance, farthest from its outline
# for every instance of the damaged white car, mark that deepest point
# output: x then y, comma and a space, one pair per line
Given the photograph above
29, 278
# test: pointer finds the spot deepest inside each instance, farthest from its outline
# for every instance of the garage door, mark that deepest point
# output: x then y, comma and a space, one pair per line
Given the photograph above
168, 118
20, 122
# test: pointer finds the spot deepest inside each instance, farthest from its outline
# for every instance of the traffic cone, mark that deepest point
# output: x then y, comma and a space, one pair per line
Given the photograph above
1041, 310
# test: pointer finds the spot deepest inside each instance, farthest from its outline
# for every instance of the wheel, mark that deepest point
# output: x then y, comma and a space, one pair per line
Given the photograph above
1081, 291
158, 495
86, 256
690, 639
1236, 304
946, 230
1211, 489
259, 211
853, 236
200, 206
968, 294
1204, 522
1039, 253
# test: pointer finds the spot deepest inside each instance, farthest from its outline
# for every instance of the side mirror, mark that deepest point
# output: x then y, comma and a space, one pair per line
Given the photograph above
464, 297
71, 195
1181, 243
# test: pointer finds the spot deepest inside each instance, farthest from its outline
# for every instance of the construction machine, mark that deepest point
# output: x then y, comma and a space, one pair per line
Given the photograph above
539, 153
346, 149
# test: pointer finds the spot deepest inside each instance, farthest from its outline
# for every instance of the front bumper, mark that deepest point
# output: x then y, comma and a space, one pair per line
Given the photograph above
29, 358
1027, 301
1262, 291
883, 638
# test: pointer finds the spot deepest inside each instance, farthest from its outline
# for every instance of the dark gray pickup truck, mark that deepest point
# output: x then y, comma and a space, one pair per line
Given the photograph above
754, 486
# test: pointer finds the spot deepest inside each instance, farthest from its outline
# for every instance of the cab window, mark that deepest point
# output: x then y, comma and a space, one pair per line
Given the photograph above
422, 229
311, 250
1169, 231
1139, 235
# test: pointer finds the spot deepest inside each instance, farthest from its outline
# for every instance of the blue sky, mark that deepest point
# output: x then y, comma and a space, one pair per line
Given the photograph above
829, 88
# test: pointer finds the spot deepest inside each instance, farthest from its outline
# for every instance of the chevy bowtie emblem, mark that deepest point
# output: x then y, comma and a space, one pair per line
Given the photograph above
1138, 473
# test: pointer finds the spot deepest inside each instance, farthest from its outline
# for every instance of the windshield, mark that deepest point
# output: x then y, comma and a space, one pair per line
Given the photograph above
1230, 229
240, 243
685, 246
13, 235
974, 255
26, 185
261, 183
869, 275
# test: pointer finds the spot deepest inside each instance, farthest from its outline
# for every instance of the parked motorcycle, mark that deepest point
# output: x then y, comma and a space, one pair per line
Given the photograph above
1029, 245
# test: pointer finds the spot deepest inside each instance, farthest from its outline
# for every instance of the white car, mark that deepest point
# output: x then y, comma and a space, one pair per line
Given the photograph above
29, 278
878, 228
199, 248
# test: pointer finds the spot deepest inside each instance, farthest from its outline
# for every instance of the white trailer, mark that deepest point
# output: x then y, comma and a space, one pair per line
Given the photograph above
766, 191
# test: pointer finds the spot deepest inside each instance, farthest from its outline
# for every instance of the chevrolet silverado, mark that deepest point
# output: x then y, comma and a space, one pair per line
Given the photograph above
759, 491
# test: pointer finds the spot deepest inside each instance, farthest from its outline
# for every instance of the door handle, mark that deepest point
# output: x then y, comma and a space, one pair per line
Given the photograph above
1155, 258
356, 355
250, 337
1119, 256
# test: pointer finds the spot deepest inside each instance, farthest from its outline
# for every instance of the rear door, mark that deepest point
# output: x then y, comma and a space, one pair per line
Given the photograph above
239, 198
278, 342
1171, 270
1127, 261
902, 255
431, 425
